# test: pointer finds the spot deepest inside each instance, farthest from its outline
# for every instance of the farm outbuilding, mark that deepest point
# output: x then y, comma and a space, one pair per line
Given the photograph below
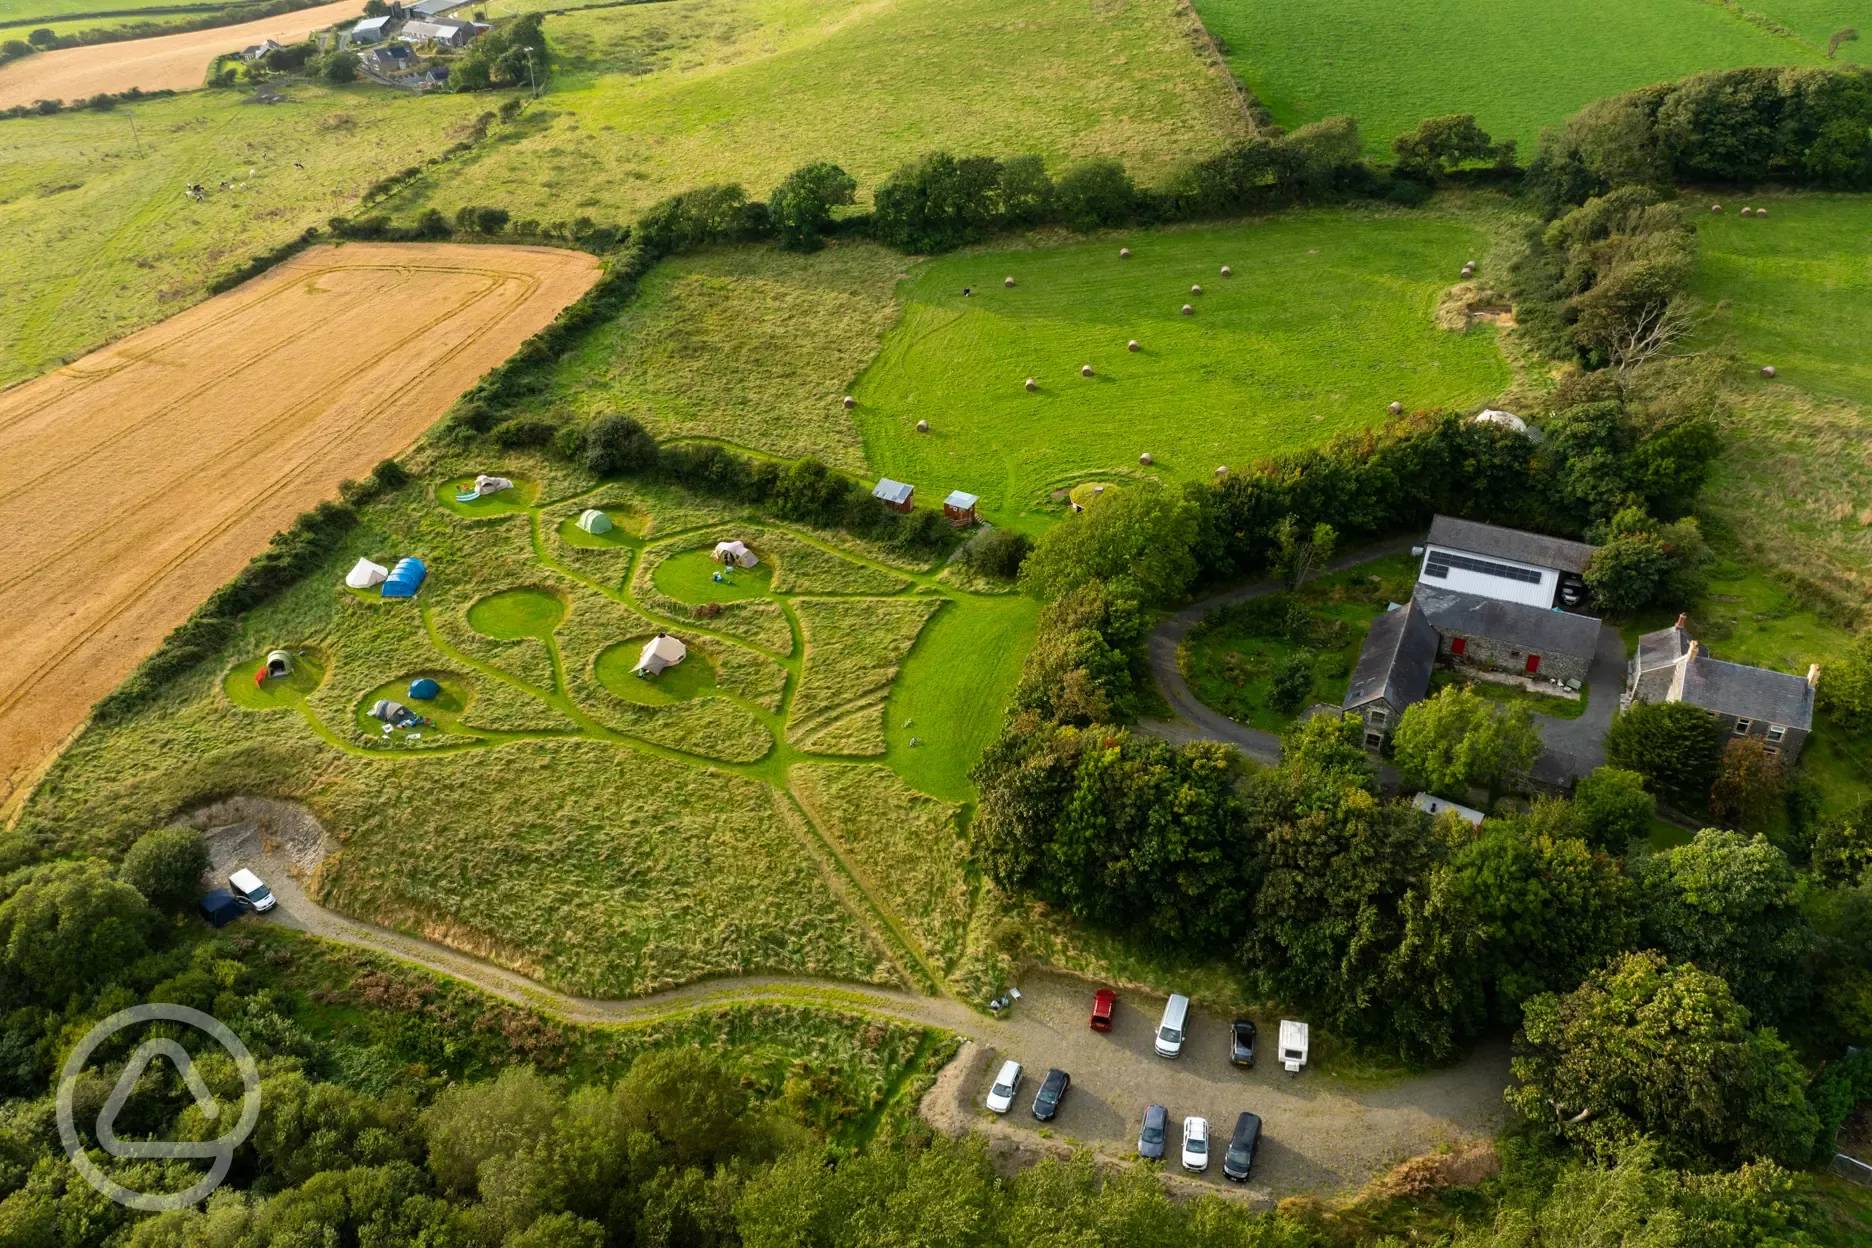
594, 521
959, 508
405, 579
365, 575
896, 495
735, 553
370, 30
660, 652
278, 663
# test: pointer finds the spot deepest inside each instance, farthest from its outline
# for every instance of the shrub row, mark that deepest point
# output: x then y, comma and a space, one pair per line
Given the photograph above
103, 101
286, 560
264, 261
45, 39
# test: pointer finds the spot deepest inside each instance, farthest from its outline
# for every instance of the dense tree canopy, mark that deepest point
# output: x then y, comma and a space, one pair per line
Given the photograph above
801, 207
1139, 536
166, 866
1459, 739
1676, 747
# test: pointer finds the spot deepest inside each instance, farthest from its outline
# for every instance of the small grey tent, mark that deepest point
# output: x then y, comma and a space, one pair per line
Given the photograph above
594, 521
394, 713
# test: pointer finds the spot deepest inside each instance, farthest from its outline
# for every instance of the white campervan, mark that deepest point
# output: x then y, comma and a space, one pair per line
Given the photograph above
249, 888
1171, 1030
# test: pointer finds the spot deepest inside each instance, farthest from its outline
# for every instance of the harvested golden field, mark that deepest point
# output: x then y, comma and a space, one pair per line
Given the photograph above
167, 62
146, 474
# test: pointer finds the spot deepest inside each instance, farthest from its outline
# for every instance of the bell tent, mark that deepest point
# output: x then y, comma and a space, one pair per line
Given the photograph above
659, 652
736, 553
594, 521
364, 574
278, 663
405, 579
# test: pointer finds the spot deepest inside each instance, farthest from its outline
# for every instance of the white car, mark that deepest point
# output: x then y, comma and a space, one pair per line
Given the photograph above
248, 887
1006, 1084
1195, 1144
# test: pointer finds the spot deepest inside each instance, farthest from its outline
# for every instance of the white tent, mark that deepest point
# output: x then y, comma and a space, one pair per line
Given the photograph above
1293, 1045
659, 652
364, 574
594, 521
736, 553
278, 663
1507, 420
485, 485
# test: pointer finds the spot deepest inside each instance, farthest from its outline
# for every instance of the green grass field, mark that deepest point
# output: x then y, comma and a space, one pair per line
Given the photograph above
1326, 320
652, 99
97, 239
1518, 65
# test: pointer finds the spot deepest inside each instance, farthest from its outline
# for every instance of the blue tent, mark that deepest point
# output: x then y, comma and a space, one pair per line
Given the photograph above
423, 689
405, 579
219, 907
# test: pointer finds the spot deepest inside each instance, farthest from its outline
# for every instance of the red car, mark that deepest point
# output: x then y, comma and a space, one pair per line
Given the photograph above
1103, 1002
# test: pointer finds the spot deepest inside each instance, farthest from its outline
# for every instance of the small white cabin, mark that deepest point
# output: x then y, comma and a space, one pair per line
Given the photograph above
1293, 1045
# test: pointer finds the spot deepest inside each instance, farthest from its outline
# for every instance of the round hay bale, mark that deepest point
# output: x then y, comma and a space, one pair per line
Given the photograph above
1761, 212
1007, 281
922, 426
1188, 311
1715, 207
1124, 253
1227, 272
1222, 471
1195, 290
1469, 264
1032, 384
1396, 408
1133, 345
1748, 212
1086, 371
1768, 370
849, 402
1145, 459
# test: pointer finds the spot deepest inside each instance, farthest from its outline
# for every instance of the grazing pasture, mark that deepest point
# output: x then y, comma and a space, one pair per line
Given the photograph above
1794, 289
1518, 65
97, 239
1326, 320
651, 99
149, 472
164, 63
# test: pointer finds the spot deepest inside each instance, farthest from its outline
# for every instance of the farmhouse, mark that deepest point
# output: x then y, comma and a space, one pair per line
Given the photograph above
1393, 671
389, 58
370, 30
896, 495
445, 31
259, 50
959, 508
1671, 666
1509, 636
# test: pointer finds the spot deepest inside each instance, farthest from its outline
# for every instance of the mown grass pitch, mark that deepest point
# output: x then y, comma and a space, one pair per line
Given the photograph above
1326, 320
648, 100
1518, 65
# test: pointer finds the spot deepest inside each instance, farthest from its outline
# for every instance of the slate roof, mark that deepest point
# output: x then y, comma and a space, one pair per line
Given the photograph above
1532, 630
1749, 692
1488, 539
1662, 648
1395, 662
430, 8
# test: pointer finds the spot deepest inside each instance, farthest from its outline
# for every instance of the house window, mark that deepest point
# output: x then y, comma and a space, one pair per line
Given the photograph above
1742, 727
1373, 740
1458, 644
1776, 732
1770, 750
1377, 719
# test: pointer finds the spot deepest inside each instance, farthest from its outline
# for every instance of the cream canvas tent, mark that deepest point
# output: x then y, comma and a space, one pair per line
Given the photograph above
736, 553
485, 485
659, 652
594, 521
278, 663
364, 574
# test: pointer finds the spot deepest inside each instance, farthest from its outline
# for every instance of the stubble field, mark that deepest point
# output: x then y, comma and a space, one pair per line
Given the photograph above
149, 472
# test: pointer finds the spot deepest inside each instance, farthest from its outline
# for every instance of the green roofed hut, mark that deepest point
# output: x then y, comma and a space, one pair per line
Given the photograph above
594, 521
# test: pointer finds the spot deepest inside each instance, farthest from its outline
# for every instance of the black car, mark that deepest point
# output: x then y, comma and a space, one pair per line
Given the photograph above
1052, 1092
1151, 1138
1241, 1045
1239, 1160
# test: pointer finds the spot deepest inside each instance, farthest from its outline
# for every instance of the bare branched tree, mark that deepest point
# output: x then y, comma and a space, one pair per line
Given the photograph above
1653, 330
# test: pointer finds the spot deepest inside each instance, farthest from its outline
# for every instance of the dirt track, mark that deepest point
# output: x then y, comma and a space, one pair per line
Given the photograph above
172, 62
146, 474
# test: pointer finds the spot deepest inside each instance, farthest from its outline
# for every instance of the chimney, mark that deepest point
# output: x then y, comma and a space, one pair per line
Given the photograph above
1813, 675
1694, 652
1683, 618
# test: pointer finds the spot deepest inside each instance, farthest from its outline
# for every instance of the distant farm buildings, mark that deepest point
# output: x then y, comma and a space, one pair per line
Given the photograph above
959, 508
895, 495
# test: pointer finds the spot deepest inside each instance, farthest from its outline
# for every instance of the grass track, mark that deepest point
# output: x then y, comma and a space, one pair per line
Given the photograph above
1518, 65
1326, 320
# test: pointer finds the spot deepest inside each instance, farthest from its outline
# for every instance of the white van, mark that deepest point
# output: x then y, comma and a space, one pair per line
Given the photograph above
1006, 1084
1171, 1030
248, 887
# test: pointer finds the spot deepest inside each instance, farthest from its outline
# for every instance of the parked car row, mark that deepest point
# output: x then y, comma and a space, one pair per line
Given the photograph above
1237, 1160
1046, 1101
